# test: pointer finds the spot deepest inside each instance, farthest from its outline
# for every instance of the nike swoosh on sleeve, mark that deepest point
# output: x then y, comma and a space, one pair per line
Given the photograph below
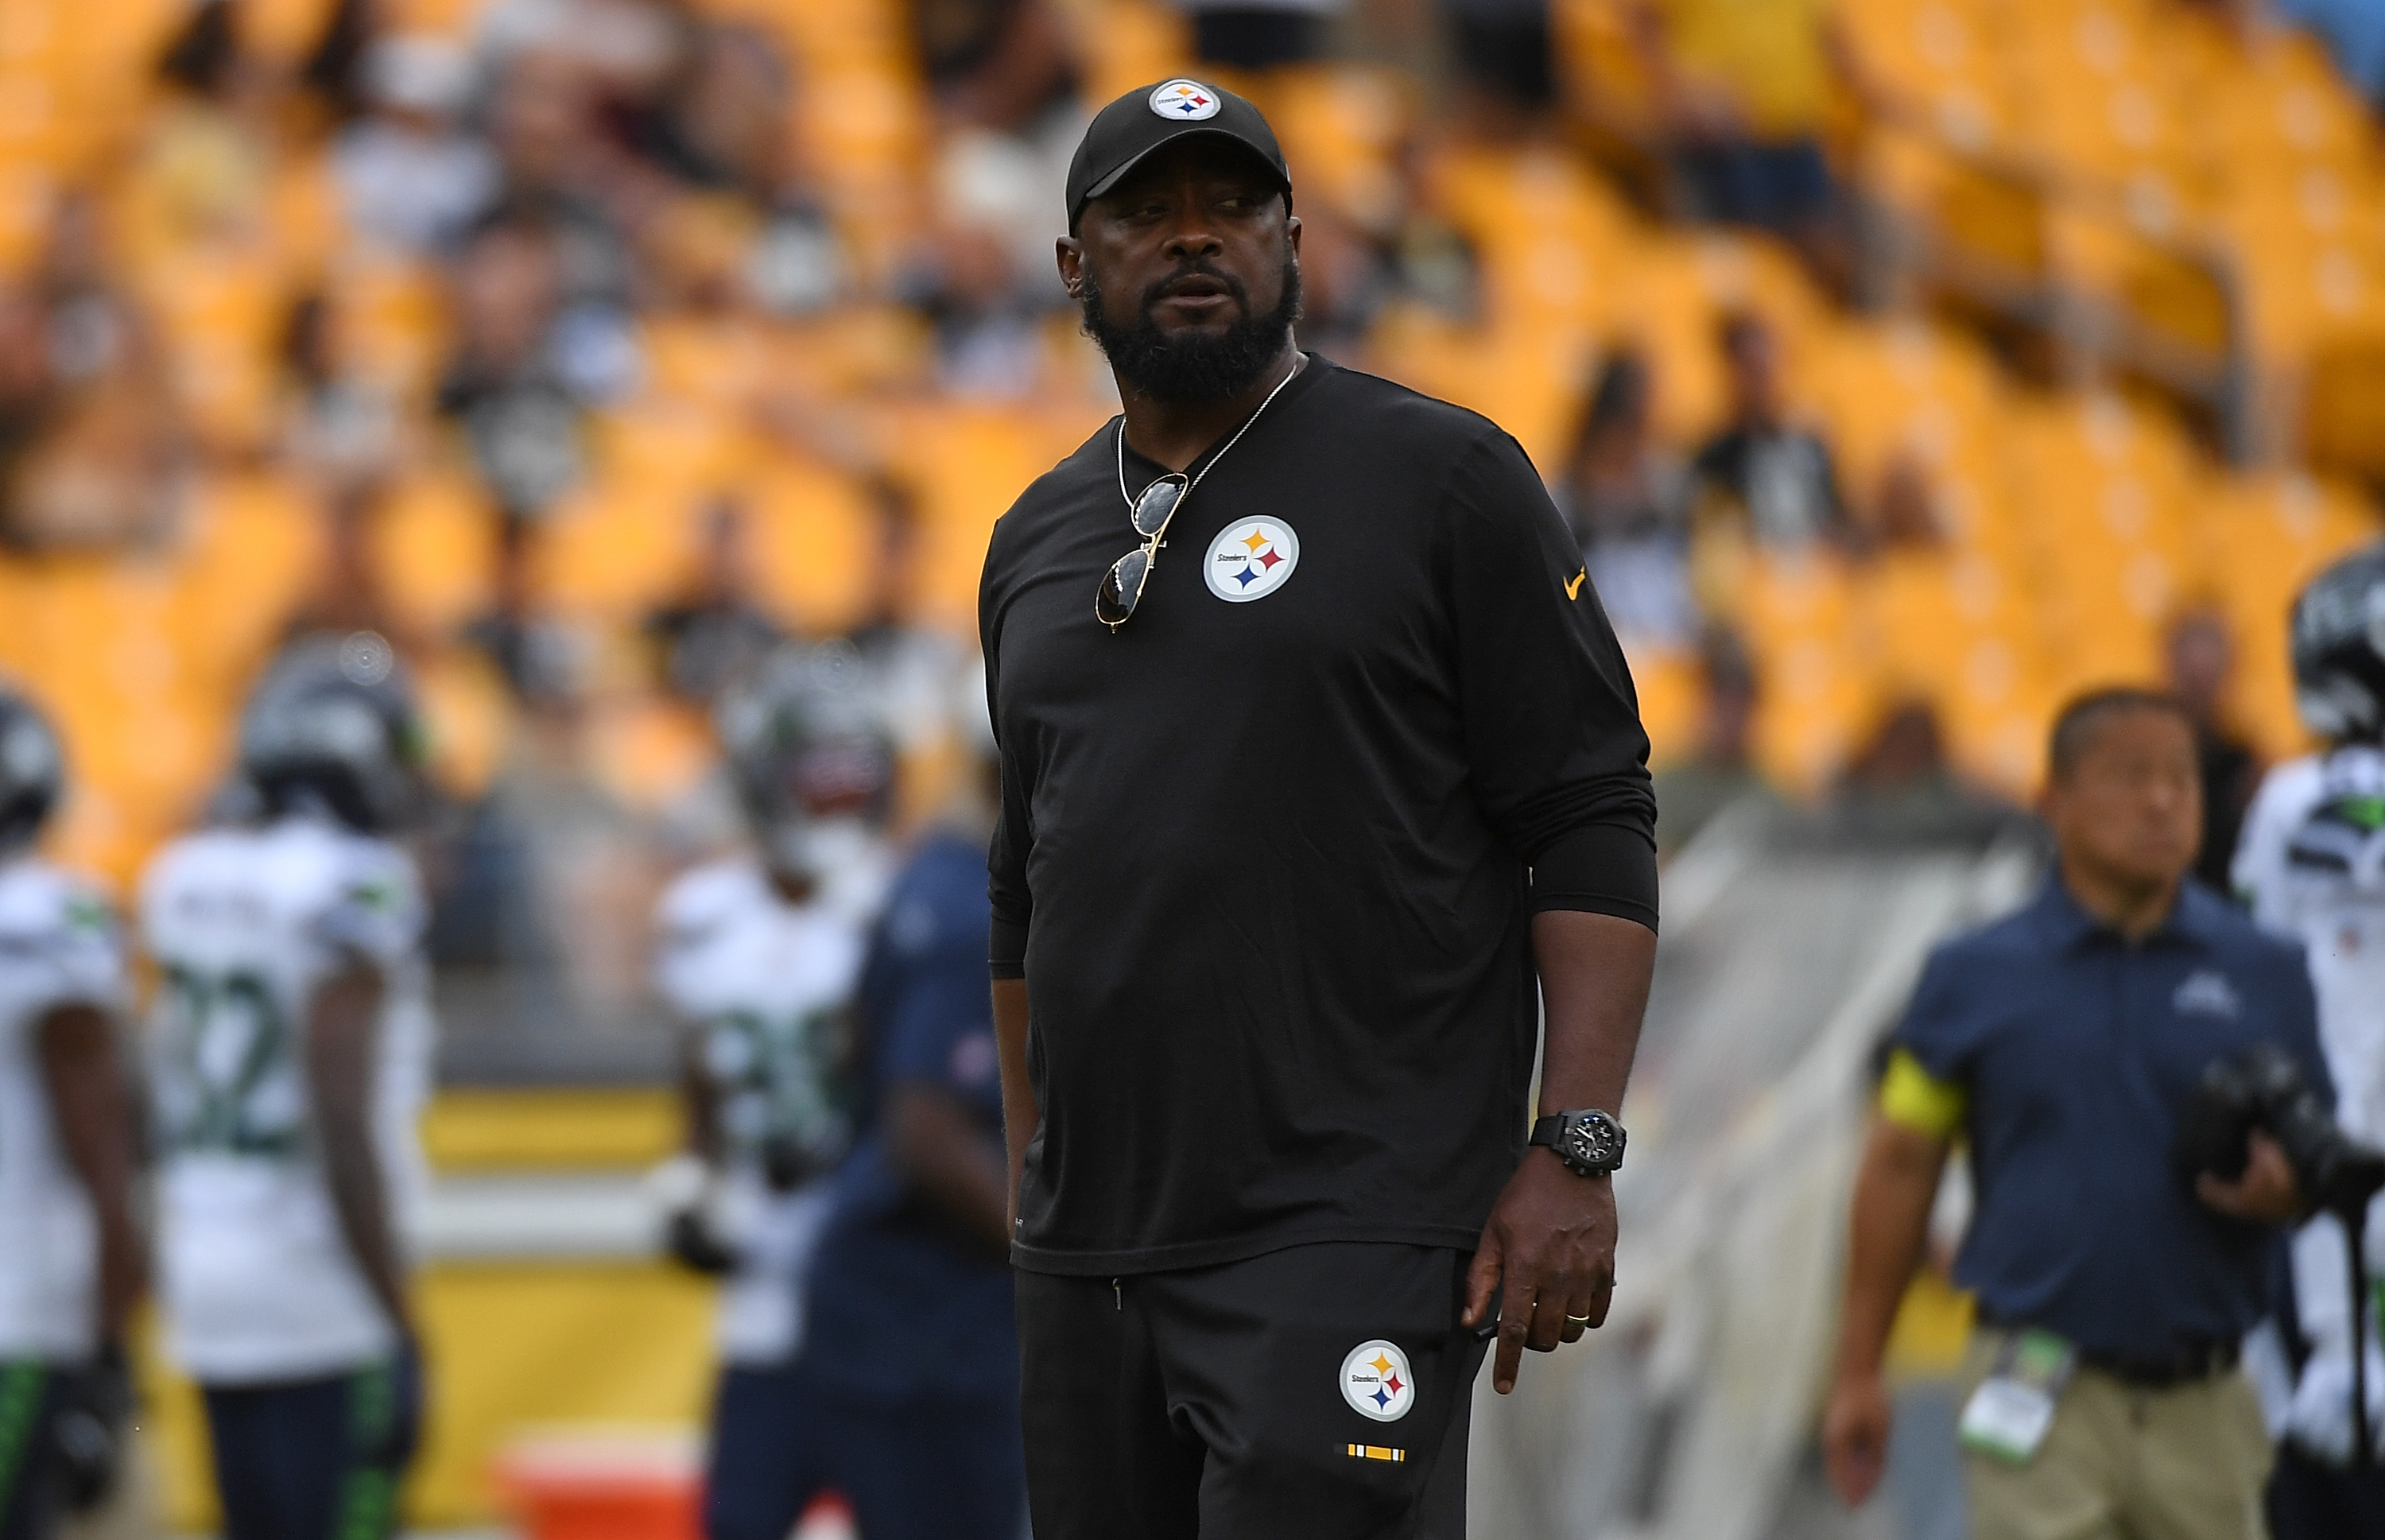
1573, 583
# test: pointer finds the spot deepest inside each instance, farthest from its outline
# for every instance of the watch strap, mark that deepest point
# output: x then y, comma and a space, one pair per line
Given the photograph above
1553, 1132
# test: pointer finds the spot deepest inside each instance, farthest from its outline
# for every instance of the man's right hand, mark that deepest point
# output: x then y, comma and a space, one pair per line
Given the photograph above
1854, 1436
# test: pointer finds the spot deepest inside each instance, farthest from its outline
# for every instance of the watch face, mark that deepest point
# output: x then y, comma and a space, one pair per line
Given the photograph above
1590, 1142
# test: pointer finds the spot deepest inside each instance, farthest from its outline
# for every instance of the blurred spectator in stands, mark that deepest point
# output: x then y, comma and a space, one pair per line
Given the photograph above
539, 660
347, 597
561, 169
1746, 88
1721, 771
204, 169
623, 54
1904, 511
338, 426
1627, 500
997, 64
92, 449
508, 385
1899, 787
1503, 56
714, 634
1347, 276
908, 668
205, 57
409, 176
2200, 654
988, 331
726, 132
1763, 478
1258, 35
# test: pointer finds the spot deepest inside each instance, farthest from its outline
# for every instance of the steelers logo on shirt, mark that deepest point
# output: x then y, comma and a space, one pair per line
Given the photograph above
1185, 101
1250, 559
1377, 1382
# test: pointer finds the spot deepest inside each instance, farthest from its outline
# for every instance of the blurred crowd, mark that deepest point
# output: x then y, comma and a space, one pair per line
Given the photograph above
585, 348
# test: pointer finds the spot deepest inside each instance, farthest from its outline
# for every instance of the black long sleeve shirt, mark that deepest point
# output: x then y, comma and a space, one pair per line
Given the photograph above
1267, 863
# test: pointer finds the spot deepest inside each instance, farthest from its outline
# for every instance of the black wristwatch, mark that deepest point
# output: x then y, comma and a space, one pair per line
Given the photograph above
1589, 1142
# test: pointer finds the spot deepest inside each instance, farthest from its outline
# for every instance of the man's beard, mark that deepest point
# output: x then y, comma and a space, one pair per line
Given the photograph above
1190, 369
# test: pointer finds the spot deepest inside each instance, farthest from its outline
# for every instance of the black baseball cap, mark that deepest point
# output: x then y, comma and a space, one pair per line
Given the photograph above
1144, 118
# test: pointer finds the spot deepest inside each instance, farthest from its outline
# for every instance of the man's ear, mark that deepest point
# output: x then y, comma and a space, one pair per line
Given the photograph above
1291, 231
1070, 254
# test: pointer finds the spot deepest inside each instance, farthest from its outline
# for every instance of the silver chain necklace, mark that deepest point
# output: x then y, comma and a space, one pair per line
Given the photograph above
1194, 483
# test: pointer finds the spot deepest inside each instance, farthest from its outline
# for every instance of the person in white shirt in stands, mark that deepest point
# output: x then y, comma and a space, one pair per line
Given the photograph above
71, 1261
292, 1038
757, 958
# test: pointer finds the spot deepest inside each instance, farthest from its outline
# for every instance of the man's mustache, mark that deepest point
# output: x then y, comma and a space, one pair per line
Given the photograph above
1159, 291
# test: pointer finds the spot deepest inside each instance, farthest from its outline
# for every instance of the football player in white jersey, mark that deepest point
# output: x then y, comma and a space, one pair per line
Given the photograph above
2312, 865
291, 1047
71, 1258
757, 958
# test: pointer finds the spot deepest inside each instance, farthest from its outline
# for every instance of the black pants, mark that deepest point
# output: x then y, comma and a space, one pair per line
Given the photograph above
2310, 1501
315, 1460
29, 1483
1224, 1402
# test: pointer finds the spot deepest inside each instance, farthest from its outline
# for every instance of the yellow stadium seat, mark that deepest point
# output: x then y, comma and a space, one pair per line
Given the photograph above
724, 365
2264, 536
255, 545
1954, 628
468, 713
664, 443
221, 307
1816, 690
387, 324
1132, 43
2343, 405
1672, 693
646, 751
1941, 55
618, 549
283, 32
813, 542
1902, 386
964, 465
1342, 127
433, 548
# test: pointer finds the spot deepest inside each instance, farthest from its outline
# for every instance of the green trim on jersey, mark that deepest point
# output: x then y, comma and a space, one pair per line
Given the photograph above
24, 1387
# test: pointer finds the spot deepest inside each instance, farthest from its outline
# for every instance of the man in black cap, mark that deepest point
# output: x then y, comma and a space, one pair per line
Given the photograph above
1300, 792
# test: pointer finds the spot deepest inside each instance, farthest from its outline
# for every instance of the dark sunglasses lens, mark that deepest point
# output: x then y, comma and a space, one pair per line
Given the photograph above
1119, 591
1158, 500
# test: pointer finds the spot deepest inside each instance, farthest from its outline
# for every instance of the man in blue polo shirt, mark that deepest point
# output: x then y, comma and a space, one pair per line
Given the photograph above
911, 1334
2060, 1044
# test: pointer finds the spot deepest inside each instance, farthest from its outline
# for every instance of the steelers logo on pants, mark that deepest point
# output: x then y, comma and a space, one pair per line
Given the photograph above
1377, 1381
1250, 559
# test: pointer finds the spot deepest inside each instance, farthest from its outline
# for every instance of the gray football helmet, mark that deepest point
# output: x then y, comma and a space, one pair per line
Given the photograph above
806, 745
2338, 649
32, 771
332, 728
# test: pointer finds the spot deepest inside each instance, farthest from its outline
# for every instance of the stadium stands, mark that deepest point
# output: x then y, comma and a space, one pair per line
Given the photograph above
2148, 162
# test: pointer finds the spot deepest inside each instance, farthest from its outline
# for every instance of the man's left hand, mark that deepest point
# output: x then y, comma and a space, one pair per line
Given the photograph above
2266, 1193
1551, 1242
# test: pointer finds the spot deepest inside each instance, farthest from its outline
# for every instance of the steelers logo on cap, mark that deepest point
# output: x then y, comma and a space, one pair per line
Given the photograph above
1184, 101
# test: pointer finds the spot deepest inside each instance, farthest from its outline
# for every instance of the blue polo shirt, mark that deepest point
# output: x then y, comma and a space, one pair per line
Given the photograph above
2075, 1049
903, 1302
